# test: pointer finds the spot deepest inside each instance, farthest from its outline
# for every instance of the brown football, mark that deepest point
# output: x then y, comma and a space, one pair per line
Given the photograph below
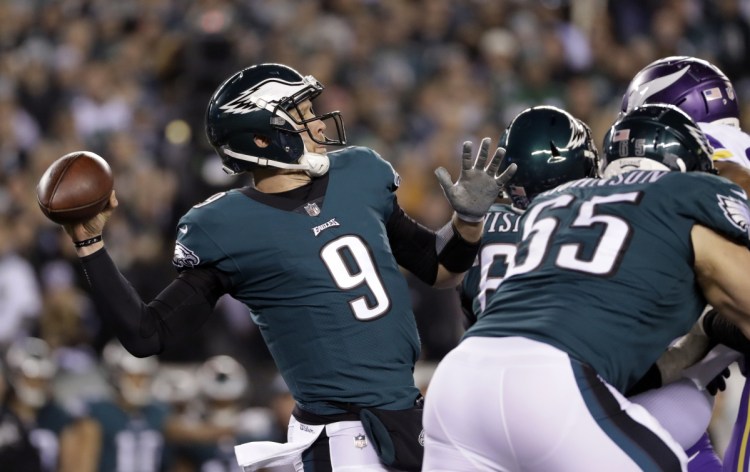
75, 188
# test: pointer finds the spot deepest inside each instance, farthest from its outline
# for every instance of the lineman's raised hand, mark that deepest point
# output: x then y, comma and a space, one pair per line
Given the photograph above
477, 187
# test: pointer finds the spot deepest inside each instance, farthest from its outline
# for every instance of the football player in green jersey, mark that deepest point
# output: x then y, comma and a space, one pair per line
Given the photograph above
550, 147
607, 274
131, 423
314, 247
707, 95
64, 439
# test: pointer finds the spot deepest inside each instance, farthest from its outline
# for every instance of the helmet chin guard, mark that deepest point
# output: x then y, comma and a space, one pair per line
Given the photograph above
317, 164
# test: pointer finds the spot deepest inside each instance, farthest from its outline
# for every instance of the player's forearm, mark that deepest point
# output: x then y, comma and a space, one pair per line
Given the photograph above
117, 301
447, 279
470, 232
456, 253
438, 258
720, 269
176, 313
684, 353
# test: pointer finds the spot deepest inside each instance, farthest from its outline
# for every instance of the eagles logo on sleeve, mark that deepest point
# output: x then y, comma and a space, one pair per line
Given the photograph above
184, 257
736, 211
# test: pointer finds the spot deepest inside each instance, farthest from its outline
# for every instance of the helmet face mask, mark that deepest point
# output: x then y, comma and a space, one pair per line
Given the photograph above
656, 137
696, 86
550, 147
268, 101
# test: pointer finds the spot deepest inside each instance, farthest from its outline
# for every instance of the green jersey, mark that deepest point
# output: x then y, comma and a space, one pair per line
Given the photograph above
498, 247
131, 440
320, 280
604, 269
50, 422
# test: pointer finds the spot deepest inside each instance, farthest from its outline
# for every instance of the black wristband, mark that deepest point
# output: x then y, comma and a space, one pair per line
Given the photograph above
457, 254
87, 242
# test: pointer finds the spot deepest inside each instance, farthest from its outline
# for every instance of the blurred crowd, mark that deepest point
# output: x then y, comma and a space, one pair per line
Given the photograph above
130, 80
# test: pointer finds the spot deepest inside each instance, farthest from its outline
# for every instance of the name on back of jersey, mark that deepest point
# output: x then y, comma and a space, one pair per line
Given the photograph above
628, 178
502, 222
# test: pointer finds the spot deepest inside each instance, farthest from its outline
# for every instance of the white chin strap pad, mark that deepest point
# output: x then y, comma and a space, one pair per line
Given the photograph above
315, 164
627, 164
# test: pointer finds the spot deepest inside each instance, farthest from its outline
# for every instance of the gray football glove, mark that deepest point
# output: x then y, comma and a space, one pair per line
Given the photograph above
477, 187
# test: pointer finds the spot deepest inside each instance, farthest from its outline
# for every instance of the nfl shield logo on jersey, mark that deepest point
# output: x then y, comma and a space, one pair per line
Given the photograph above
312, 209
360, 441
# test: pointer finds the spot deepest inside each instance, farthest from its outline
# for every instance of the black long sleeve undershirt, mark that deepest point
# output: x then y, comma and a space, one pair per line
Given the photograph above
146, 329
413, 245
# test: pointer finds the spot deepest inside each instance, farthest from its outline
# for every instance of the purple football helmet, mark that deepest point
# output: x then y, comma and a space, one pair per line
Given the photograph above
696, 86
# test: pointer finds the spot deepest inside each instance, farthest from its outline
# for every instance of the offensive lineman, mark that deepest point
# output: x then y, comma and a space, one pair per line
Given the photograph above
607, 274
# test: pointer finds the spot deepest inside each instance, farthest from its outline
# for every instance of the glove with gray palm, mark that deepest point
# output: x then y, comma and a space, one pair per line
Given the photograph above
478, 185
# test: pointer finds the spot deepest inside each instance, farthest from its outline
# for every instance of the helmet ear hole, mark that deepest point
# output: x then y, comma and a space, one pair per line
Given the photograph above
261, 141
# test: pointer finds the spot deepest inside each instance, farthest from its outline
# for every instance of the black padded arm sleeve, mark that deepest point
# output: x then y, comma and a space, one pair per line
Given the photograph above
421, 250
722, 331
148, 329
413, 245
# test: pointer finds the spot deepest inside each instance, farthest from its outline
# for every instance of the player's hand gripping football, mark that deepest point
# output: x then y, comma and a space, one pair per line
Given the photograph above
478, 185
94, 226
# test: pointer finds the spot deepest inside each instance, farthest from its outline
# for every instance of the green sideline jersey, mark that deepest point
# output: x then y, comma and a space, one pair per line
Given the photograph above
130, 440
498, 247
604, 269
44, 433
320, 280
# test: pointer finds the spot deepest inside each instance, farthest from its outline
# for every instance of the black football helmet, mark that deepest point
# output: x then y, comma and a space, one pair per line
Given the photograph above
550, 147
257, 101
656, 137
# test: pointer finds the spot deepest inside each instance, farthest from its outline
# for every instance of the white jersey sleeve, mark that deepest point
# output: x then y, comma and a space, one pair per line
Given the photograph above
730, 144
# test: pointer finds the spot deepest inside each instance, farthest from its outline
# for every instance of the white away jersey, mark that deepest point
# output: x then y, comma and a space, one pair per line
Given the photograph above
729, 143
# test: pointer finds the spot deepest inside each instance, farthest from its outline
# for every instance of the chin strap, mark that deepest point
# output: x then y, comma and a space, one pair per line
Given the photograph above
313, 164
626, 164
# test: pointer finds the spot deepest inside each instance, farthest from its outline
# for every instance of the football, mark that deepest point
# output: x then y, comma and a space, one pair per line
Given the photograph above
75, 188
